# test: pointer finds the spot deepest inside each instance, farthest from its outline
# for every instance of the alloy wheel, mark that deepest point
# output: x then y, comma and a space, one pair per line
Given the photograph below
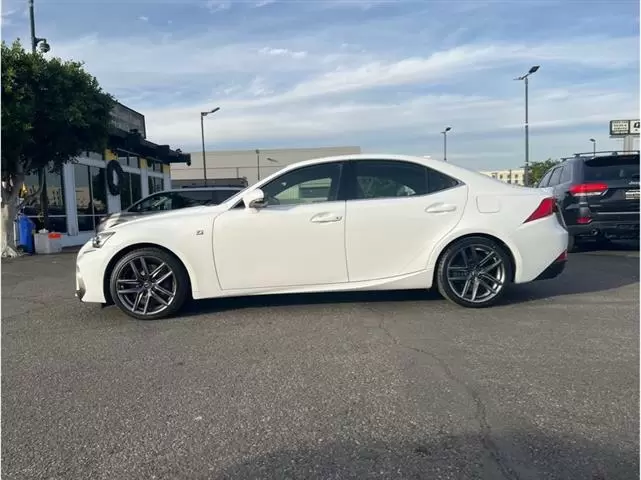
146, 285
476, 273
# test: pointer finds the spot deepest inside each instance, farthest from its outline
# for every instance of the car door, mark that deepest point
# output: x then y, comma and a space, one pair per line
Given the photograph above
397, 212
298, 239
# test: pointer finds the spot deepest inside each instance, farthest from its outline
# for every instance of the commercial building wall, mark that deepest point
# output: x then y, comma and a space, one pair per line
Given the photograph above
249, 164
512, 175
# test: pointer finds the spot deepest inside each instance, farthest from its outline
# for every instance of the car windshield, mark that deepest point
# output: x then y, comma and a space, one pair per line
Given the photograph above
624, 167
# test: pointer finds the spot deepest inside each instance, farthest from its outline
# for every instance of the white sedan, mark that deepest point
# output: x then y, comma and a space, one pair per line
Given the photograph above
355, 222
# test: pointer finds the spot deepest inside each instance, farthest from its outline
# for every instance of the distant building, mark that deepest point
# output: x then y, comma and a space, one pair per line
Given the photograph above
512, 175
238, 167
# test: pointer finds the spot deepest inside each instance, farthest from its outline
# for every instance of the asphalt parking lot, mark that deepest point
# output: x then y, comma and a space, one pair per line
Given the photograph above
399, 385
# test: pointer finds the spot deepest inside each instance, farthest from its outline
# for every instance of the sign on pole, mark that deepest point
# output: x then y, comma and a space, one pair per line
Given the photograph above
623, 128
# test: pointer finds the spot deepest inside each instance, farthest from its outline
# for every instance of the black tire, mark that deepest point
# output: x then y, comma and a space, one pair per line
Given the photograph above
179, 281
572, 246
450, 256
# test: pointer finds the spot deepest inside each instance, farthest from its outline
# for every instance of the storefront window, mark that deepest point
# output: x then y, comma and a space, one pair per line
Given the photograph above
136, 187
125, 192
131, 190
55, 199
155, 184
91, 196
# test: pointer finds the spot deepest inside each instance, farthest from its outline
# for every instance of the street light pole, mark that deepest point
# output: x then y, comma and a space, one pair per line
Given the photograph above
593, 147
258, 163
526, 174
444, 132
42, 176
202, 135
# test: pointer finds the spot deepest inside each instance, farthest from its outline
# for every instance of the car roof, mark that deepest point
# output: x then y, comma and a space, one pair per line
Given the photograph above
463, 174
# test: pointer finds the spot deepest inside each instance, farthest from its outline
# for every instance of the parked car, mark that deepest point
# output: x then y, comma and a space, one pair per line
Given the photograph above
169, 200
598, 195
354, 222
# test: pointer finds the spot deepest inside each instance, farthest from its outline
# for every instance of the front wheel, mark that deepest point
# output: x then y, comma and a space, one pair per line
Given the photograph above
149, 284
474, 272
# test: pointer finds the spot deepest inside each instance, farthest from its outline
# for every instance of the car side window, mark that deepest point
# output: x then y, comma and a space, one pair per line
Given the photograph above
192, 198
566, 174
388, 179
313, 184
437, 181
546, 178
153, 203
555, 177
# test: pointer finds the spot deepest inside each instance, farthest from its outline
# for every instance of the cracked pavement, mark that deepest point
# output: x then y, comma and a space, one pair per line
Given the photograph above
381, 385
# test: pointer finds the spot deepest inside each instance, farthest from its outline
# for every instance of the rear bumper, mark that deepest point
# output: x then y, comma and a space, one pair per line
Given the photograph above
611, 229
555, 269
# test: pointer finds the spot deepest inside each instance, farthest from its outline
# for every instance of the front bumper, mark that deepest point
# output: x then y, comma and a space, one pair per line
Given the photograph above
91, 264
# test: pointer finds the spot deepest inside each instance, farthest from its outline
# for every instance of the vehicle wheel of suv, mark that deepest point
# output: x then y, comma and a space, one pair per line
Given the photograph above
474, 272
571, 243
149, 284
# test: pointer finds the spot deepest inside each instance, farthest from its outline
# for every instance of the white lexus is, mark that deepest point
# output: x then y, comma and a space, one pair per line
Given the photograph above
355, 222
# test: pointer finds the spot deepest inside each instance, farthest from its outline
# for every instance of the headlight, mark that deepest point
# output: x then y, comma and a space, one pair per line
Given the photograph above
99, 240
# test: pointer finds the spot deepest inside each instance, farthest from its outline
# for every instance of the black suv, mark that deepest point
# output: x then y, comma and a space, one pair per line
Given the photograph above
598, 195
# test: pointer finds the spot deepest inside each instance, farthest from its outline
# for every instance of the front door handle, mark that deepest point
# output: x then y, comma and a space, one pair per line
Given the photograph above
326, 218
440, 208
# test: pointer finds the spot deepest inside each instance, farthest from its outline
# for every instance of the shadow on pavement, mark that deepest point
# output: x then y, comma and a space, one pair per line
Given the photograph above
521, 456
585, 273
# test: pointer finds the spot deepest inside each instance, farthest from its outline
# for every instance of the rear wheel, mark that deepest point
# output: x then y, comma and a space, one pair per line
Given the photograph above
149, 284
474, 272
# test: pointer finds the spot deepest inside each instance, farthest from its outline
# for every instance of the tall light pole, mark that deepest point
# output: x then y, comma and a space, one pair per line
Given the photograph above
258, 164
202, 135
42, 177
593, 147
526, 174
444, 132
35, 41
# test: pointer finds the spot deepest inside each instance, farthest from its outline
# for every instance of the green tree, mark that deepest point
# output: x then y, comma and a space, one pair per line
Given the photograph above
538, 169
52, 110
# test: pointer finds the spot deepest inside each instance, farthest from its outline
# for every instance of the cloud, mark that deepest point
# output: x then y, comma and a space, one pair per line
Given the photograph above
142, 18
279, 52
217, 5
380, 74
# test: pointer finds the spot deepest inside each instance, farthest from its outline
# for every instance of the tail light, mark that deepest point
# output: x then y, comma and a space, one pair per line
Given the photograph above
545, 209
588, 189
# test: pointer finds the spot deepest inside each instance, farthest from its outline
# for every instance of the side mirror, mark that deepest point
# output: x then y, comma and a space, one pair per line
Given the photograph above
255, 199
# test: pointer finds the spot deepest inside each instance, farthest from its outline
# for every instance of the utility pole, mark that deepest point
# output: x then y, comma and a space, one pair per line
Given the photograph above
526, 175
202, 135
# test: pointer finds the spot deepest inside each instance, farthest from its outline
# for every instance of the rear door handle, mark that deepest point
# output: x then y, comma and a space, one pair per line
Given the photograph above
440, 208
326, 218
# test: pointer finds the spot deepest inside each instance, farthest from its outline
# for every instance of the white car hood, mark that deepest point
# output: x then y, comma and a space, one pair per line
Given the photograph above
166, 217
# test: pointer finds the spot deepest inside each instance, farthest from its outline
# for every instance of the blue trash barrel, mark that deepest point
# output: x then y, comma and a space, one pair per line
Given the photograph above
25, 233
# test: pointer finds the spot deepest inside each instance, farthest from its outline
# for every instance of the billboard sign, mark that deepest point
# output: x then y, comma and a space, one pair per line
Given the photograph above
127, 119
622, 128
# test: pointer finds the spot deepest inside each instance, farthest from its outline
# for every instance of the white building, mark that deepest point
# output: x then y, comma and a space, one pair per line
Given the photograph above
512, 175
228, 166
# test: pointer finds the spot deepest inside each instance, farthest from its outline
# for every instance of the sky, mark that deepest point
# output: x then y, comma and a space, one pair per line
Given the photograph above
387, 76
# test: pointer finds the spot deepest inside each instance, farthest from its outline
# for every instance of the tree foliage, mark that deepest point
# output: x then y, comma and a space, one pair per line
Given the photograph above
52, 110
538, 169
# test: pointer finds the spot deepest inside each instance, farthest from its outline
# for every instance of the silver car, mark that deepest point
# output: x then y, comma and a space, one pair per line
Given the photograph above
169, 200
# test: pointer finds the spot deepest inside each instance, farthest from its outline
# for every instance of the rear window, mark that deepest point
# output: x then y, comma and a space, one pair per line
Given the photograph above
624, 167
